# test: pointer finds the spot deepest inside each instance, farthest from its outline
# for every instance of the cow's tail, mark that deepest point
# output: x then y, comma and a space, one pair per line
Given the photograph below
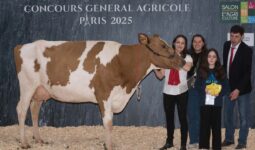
17, 58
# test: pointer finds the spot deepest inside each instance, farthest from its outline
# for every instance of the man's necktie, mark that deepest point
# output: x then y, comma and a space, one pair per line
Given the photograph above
231, 56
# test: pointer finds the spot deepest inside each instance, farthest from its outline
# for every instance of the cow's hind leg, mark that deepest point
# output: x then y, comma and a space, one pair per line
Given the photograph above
22, 108
39, 96
35, 109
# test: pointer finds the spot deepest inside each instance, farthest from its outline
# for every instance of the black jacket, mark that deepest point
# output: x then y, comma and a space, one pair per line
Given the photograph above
240, 71
197, 59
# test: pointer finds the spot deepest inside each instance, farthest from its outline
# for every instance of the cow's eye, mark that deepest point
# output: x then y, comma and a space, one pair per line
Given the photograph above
163, 46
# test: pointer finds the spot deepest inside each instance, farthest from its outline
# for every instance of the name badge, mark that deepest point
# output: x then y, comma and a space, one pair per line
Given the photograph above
209, 100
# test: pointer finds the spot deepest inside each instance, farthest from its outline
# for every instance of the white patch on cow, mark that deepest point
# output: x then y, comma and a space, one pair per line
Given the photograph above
46, 44
110, 50
151, 68
28, 55
118, 99
76, 91
108, 113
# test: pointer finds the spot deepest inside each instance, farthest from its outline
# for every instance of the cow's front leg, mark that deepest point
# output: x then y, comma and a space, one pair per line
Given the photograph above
107, 121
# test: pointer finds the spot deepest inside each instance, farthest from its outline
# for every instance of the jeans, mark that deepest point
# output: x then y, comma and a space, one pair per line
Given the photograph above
243, 103
193, 115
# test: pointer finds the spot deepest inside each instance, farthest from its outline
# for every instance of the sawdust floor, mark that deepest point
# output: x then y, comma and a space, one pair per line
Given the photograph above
92, 138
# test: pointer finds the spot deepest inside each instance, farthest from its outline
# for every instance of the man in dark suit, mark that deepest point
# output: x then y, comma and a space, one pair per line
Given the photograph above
237, 61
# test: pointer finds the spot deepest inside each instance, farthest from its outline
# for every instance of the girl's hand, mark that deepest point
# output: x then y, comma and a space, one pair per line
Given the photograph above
208, 92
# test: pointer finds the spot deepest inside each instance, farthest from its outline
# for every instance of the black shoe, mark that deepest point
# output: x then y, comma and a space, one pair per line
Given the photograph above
183, 147
241, 146
226, 143
166, 146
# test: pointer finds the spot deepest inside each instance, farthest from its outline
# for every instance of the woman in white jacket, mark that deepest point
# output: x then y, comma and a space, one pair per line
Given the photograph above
175, 92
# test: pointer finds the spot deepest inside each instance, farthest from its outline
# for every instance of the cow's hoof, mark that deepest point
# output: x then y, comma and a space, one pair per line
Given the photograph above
45, 142
109, 148
105, 148
40, 141
25, 146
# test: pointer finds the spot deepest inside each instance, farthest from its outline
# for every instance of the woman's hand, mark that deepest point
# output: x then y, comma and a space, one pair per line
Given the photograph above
160, 73
187, 66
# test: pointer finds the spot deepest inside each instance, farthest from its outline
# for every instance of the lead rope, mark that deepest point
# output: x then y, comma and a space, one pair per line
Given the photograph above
139, 92
139, 86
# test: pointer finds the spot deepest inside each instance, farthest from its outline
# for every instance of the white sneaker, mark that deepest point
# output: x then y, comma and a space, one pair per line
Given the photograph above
193, 146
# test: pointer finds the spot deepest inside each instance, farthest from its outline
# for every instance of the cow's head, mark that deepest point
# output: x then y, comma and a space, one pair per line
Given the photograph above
161, 54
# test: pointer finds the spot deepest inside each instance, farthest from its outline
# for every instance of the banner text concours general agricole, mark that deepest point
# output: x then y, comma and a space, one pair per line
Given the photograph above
101, 14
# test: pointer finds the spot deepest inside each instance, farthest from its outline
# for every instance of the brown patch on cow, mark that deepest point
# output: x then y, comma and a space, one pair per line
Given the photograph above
100, 104
36, 66
63, 61
17, 57
91, 61
136, 62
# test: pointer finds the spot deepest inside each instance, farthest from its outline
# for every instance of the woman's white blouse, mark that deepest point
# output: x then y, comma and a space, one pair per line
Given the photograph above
182, 86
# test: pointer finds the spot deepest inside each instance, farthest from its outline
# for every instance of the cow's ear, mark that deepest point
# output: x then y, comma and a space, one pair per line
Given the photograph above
156, 35
143, 38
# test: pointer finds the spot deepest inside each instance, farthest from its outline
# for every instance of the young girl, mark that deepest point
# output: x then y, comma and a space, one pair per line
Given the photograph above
211, 84
175, 93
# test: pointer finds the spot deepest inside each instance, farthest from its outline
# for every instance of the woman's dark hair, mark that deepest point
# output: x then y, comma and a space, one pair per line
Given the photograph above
204, 48
185, 50
204, 68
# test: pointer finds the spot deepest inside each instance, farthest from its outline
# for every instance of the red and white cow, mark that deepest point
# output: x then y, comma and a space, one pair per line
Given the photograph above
102, 72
